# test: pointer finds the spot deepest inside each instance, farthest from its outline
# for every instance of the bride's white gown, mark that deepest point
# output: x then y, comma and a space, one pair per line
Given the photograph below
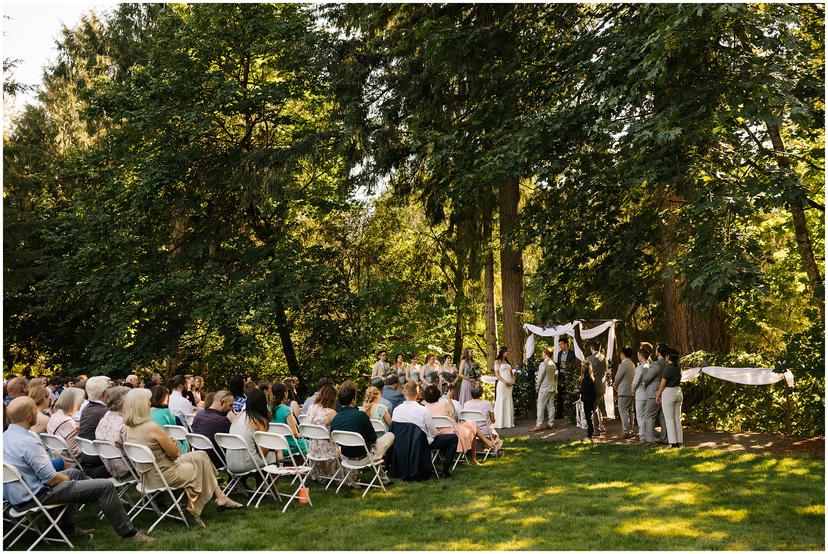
504, 409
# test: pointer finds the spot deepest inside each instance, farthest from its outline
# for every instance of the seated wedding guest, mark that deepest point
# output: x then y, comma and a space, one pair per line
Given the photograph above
96, 388
178, 403
193, 472
131, 381
63, 424
466, 431
161, 414
322, 413
379, 383
111, 428
312, 398
391, 392
374, 409
188, 390
283, 413
81, 384
198, 391
293, 401
16, 388
480, 404
267, 388
349, 418
412, 412
236, 388
27, 454
42, 401
450, 394
254, 418
55, 388
213, 419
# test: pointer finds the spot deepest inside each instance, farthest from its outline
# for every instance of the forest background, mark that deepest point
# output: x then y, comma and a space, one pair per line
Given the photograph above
284, 189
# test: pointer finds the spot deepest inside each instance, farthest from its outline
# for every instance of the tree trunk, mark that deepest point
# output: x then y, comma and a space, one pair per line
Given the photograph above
803, 238
459, 295
283, 328
488, 292
688, 329
511, 270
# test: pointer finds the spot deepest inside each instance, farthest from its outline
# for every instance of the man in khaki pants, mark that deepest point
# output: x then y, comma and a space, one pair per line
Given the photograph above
547, 384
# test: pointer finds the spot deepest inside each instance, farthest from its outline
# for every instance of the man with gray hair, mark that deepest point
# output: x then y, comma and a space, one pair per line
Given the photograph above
26, 453
96, 408
131, 381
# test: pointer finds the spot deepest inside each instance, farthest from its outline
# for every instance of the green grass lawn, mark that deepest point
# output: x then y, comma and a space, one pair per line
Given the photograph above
541, 496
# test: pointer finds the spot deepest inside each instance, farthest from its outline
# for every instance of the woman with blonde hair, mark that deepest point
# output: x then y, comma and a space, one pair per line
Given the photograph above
41, 398
372, 406
193, 472
63, 424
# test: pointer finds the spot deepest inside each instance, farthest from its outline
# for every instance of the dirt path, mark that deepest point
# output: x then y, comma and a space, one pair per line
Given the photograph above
722, 440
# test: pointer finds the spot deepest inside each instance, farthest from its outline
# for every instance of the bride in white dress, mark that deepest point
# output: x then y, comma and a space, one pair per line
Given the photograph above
504, 408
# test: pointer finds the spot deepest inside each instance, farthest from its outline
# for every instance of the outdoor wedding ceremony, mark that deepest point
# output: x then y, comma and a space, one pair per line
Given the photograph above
382, 277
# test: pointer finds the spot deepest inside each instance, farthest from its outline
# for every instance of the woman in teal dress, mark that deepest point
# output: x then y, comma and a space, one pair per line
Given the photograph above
282, 413
161, 414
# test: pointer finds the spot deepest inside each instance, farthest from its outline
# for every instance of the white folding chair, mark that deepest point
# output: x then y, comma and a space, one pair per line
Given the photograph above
379, 427
144, 461
279, 429
317, 432
349, 438
176, 432
442, 422
107, 450
229, 442
121, 487
303, 418
188, 419
272, 441
57, 445
478, 417
200, 442
30, 516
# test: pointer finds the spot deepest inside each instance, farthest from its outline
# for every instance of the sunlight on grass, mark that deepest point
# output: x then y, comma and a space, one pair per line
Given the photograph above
668, 494
734, 516
661, 527
708, 467
812, 510
609, 485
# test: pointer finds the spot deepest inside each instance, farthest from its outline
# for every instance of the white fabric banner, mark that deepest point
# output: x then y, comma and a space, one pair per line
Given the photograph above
609, 404
569, 329
741, 375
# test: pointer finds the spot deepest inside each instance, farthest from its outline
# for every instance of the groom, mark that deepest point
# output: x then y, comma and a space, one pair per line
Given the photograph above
566, 370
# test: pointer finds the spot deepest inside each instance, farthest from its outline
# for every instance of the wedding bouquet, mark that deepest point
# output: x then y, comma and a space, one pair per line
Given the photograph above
474, 371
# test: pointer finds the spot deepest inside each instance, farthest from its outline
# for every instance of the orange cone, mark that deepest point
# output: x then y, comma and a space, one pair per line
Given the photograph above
304, 494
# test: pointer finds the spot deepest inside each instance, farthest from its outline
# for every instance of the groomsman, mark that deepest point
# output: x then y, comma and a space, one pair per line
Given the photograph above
652, 380
546, 382
639, 391
380, 368
622, 384
567, 370
599, 370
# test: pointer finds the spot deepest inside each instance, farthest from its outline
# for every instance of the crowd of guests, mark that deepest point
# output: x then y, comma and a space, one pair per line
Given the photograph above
98, 408
648, 392
455, 383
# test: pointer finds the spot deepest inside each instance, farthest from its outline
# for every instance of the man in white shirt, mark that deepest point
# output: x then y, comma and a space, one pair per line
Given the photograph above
412, 412
547, 382
178, 405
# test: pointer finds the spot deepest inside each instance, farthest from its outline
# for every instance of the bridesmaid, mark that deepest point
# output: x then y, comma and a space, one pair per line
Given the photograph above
431, 370
448, 376
400, 369
504, 408
413, 370
467, 376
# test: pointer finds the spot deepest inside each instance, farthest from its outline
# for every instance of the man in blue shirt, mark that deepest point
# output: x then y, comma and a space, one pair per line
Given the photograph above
391, 393
26, 453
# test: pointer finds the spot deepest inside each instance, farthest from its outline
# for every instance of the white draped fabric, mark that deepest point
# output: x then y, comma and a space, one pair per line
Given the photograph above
741, 375
569, 329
